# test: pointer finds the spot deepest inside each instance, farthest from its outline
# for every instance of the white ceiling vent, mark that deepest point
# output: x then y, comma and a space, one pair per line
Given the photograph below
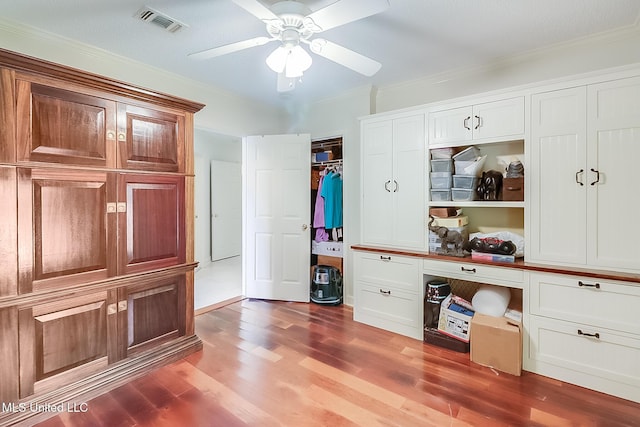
152, 16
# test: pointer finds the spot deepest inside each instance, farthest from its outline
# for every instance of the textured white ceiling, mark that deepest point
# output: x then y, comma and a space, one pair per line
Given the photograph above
412, 39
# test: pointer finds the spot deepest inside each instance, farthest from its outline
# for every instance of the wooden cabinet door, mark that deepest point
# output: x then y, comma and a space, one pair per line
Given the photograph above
150, 139
450, 126
557, 201
8, 229
151, 229
64, 126
65, 340
150, 314
65, 236
612, 178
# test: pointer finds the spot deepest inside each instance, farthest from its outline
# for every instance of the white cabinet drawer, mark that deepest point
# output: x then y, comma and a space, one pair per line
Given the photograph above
389, 271
502, 276
602, 355
390, 309
586, 300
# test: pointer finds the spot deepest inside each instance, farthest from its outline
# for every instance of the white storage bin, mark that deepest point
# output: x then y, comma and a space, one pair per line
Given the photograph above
440, 195
463, 194
442, 165
330, 248
468, 154
442, 153
441, 180
465, 181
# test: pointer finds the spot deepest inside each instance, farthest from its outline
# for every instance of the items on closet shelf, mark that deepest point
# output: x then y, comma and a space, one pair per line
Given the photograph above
328, 206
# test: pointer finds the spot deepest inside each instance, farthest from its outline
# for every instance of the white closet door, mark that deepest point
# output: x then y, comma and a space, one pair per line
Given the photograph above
559, 181
226, 209
377, 183
277, 216
614, 152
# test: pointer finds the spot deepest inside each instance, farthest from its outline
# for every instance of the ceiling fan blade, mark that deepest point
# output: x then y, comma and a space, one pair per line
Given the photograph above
343, 56
345, 11
257, 9
229, 48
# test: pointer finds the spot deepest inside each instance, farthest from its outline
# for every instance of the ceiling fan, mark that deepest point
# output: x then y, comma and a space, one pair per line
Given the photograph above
292, 23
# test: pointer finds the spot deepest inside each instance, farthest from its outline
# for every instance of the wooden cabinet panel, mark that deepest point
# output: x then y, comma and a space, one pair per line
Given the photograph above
63, 126
150, 139
9, 354
63, 340
154, 313
8, 236
151, 231
78, 226
65, 235
7, 116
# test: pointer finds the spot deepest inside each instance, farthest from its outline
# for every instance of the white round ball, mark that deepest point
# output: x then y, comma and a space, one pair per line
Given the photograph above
491, 300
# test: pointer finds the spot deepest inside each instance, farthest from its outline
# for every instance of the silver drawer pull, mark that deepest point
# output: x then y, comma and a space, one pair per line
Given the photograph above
468, 270
588, 285
584, 334
385, 292
385, 258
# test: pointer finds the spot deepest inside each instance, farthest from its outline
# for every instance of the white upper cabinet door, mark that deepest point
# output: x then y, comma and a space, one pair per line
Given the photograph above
499, 120
613, 196
557, 200
376, 184
450, 126
409, 182
486, 122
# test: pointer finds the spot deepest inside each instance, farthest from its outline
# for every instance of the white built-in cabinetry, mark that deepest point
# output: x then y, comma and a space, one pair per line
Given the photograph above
393, 181
584, 331
581, 290
494, 120
388, 292
585, 151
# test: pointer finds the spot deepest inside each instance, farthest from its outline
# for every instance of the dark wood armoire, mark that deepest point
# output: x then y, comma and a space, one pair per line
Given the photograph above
96, 242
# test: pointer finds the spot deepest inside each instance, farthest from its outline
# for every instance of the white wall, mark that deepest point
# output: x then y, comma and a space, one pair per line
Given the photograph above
339, 117
580, 56
224, 113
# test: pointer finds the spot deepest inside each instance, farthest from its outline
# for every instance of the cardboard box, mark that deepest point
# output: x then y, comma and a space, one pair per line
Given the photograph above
330, 261
449, 222
443, 212
452, 322
513, 189
496, 342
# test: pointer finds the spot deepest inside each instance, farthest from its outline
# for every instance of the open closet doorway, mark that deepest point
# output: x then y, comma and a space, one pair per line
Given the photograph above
218, 225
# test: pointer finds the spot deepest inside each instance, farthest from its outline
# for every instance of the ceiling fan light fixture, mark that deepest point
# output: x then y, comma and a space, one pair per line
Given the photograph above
293, 61
277, 60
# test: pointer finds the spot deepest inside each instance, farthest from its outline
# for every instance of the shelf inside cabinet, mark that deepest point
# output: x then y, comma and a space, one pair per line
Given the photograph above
477, 204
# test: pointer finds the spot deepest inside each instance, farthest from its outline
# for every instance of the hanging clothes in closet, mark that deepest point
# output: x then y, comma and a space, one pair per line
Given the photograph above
328, 207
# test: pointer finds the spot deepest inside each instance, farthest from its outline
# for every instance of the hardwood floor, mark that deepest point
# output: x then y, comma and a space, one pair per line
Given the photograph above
292, 364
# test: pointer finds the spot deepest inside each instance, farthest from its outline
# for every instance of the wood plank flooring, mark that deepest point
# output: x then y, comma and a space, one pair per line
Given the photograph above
292, 364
